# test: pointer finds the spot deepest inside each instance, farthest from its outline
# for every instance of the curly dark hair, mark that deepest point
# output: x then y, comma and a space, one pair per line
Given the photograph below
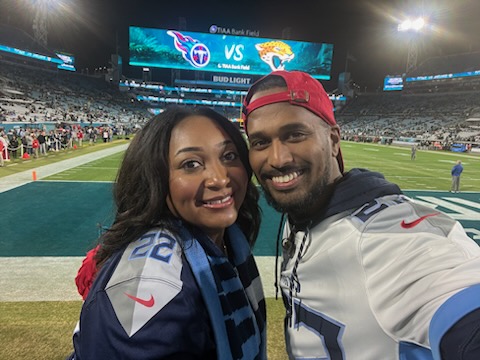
141, 187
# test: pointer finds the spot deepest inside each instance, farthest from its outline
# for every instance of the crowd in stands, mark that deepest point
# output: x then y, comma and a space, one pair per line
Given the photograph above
31, 142
44, 111
81, 106
29, 95
448, 64
444, 117
433, 113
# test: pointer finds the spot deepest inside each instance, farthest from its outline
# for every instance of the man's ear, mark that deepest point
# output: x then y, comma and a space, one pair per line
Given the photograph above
335, 138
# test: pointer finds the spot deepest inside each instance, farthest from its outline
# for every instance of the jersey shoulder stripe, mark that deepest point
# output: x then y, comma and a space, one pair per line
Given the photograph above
147, 277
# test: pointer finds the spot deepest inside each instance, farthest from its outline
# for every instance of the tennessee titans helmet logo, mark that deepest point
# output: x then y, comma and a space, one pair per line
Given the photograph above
196, 53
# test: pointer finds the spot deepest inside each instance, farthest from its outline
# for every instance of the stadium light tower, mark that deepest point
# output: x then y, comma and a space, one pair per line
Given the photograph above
413, 27
40, 32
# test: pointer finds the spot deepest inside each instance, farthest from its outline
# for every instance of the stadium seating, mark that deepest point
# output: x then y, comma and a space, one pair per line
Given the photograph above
31, 95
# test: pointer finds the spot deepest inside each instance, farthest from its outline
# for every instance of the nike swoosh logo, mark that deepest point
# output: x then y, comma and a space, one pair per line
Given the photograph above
414, 223
148, 303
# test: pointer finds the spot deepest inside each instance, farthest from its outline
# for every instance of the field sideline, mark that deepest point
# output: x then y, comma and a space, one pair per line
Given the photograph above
427, 178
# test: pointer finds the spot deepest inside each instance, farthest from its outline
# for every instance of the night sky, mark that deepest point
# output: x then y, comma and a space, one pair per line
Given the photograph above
367, 29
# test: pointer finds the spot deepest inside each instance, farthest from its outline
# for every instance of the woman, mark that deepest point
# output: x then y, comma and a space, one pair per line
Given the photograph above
177, 278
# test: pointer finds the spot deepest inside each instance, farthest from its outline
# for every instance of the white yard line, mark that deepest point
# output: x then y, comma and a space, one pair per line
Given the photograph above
52, 278
12, 181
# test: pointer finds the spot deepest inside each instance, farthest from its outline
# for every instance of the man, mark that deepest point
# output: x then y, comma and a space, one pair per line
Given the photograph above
366, 272
42, 141
2, 150
456, 172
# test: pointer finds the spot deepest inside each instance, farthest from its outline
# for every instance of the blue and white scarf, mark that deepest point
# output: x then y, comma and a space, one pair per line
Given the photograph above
232, 291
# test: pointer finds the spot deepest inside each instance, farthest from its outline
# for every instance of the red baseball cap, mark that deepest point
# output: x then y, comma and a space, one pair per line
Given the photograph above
302, 90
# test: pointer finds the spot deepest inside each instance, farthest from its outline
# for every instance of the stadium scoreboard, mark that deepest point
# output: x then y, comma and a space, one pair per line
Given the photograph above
393, 83
220, 53
63, 60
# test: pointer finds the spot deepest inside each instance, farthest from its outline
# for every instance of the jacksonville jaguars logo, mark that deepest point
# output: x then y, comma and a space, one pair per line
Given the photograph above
196, 53
275, 54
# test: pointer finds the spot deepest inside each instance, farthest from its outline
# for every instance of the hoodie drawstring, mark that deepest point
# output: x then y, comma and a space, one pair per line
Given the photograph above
277, 253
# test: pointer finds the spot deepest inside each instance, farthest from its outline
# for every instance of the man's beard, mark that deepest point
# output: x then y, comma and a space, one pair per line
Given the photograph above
302, 207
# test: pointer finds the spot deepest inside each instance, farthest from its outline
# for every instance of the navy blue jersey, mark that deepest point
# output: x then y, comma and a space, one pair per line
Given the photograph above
145, 304
155, 300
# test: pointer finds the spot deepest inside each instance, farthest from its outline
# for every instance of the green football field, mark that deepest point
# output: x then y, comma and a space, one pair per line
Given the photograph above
430, 170
427, 179
74, 205
62, 215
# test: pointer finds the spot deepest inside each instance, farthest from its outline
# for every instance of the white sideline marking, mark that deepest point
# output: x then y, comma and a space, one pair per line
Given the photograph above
13, 181
50, 278
448, 161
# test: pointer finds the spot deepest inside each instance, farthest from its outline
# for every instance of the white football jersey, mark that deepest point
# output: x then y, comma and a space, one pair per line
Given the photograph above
366, 284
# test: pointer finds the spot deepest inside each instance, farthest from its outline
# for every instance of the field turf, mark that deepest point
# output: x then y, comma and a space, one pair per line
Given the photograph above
42, 330
430, 170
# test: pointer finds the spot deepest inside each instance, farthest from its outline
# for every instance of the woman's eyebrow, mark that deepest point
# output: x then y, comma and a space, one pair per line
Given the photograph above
198, 148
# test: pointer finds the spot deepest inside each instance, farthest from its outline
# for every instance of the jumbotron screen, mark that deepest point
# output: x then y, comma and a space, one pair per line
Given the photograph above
68, 61
393, 83
185, 50
64, 61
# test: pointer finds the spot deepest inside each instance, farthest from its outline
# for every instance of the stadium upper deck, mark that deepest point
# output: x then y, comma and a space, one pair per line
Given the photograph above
445, 109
